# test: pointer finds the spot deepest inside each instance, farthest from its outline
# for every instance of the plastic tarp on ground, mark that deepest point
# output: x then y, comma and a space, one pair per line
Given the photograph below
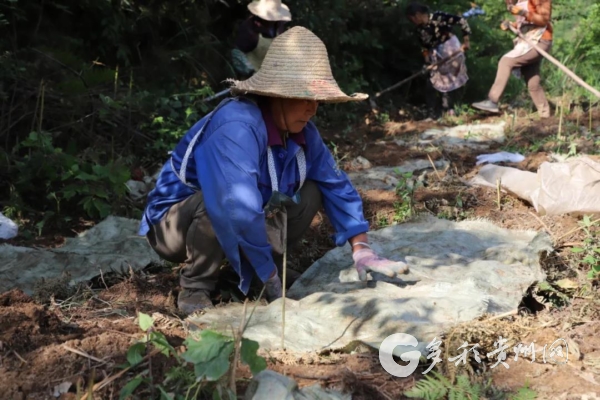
559, 188
8, 229
472, 136
386, 178
111, 245
459, 271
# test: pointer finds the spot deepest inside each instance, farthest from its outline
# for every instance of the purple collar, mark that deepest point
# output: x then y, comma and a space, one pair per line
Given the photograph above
274, 138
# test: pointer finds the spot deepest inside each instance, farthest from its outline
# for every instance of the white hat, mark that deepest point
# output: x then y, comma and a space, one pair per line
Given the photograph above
270, 10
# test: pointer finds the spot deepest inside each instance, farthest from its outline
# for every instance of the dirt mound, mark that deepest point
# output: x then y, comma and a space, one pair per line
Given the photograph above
36, 376
13, 297
24, 324
83, 339
138, 294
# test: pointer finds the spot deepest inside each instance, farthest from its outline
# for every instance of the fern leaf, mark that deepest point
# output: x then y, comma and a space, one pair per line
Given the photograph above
433, 387
469, 390
525, 394
475, 392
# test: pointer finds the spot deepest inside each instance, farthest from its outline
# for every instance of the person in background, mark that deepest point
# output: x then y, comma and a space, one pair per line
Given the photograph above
246, 181
435, 33
533, 21
256, 33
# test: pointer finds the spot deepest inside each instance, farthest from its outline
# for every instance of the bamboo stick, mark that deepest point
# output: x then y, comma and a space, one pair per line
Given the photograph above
556, 62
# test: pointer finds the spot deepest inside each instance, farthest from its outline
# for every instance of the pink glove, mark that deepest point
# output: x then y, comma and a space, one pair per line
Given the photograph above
366, 260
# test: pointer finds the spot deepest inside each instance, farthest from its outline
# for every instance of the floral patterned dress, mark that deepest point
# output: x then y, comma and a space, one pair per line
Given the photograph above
438, 41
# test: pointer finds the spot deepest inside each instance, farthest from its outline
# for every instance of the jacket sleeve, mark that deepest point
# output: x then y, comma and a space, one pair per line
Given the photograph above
452, 20
341, 201
228, 176
543, 13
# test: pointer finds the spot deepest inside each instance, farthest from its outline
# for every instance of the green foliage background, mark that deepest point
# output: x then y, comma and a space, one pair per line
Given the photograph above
92, 90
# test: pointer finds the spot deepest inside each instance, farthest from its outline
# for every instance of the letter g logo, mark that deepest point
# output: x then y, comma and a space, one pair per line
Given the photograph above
386, 351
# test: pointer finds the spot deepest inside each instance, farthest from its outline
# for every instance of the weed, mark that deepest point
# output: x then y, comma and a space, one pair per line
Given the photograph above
437, 387
572, 150
382, 220
402, 211
67, 182
382, 118
405, 191
136, 355
591, 247
464, 109
525, 393
336, 154
209, 354
547, 294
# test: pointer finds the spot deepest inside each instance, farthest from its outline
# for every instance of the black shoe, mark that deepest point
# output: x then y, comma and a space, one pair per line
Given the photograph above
190, 301
291, 276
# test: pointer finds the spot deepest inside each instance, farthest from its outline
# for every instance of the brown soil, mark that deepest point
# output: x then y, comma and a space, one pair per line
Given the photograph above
86, 338
360, 374
40, 350
25, 325
578, 376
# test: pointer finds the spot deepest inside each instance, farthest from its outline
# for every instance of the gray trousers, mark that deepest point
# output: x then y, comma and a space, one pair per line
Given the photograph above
185, 235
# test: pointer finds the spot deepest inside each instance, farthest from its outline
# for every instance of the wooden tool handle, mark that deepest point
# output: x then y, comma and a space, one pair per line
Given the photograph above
554, 61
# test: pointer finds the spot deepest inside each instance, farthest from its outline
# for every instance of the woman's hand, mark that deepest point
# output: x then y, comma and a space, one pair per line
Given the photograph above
366, 260
516, 10
466, 44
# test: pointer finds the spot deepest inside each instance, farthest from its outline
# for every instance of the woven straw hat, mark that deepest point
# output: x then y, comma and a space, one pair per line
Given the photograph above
296, 66
270, 10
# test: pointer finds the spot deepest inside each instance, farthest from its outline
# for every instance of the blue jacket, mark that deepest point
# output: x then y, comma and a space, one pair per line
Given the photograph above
229, 165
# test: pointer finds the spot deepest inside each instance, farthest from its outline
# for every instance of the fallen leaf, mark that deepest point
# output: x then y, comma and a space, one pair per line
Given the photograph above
61, 389
567, 284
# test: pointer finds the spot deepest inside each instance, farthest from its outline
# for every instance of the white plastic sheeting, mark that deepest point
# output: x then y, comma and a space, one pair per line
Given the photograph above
8, 229
459, 271
559, 188
502, 156
113, 244
271, 385
473, 136
387, 178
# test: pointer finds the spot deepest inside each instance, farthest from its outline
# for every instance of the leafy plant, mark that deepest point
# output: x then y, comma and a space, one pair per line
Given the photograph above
404, 190
525, 393
65, 179
209, 354
336, 154
591, 247
547, 293
436, 386
137, 353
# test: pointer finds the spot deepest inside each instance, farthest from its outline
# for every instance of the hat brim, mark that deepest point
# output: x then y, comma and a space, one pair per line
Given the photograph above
321, 91
281, 13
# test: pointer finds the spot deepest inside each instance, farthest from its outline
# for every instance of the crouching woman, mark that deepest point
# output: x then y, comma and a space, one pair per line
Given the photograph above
247, 179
